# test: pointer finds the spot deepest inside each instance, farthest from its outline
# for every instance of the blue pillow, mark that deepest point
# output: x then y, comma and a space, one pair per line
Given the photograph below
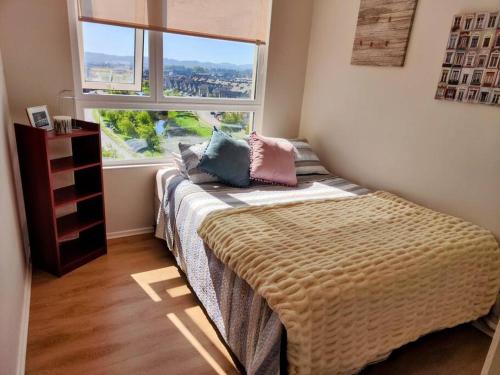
228, 159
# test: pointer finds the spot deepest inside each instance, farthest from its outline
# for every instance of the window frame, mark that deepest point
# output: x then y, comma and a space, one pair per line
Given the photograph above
469, 21
138, 66
464, 79
481, 17
494, 56
449, 57
470, 56
495, 22
156, 100
453, 41
487, 37
444, 75
495, 100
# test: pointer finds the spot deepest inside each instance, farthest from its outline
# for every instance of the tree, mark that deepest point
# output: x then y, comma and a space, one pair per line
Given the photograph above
126, 127
232, 117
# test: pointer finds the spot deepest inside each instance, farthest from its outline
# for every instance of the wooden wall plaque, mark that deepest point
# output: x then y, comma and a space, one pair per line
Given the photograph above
383, 32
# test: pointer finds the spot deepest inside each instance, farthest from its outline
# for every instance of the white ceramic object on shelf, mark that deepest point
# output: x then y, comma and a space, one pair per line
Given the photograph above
62, 124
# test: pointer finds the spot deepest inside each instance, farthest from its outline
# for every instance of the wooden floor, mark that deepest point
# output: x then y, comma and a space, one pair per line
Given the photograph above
130, 312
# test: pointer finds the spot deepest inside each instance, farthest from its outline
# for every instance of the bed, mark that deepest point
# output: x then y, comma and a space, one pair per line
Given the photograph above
250, 327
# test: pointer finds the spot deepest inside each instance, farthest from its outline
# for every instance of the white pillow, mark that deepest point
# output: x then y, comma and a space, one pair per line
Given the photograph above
191, 155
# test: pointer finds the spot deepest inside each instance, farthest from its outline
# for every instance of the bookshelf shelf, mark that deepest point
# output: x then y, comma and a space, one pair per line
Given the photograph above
68, 164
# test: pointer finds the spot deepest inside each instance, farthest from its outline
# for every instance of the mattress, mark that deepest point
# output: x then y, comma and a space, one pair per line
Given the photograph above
249, 327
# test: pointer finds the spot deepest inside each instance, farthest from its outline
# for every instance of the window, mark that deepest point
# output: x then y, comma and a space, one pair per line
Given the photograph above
455, 75
480, 21
486, 41
459, 58
456, 22
489, 79
474, 41
481, 61
449, 58
464, 42
494, 60
493, 20
452, 42
444, 76
460, 96
476, 77
468, 23
150, 90
497, 44
112, 57
465, 78
470, 59
483, 97
450, 94
440, 92
141, 134
496, 98
197, 67
471, 96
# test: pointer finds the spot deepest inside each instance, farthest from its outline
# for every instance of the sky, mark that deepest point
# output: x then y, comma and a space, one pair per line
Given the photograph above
114, 40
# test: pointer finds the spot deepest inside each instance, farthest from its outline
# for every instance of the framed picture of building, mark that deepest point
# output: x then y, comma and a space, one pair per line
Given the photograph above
470, 70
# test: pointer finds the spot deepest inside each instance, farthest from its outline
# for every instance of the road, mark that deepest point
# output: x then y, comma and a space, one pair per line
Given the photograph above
208, 118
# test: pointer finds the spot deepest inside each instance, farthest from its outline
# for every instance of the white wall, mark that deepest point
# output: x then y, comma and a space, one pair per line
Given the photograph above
14, 278
36, 53
128, 193
287, 60
38, 66
382, 128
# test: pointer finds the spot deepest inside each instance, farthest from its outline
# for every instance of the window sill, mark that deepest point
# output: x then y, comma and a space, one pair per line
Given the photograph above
142, 164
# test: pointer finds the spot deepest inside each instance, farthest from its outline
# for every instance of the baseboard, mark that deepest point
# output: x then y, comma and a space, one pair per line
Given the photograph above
23, 334
127, 233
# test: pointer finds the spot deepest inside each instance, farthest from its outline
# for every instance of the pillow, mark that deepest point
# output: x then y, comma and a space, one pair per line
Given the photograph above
306, 160
179, 164
272, 160
191, 155
228, 159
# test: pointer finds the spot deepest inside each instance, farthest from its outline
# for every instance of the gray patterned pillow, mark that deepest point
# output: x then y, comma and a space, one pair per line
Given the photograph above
306, 160
191, 155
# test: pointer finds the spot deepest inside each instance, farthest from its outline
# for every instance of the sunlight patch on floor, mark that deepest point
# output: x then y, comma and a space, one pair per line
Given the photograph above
178, 291
196, 344
198, 317
145, 279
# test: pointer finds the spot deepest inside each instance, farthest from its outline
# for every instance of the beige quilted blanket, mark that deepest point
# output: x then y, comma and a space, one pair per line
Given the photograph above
355, 278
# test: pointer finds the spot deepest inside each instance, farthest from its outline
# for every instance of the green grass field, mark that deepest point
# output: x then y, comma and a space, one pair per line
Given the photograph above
190, 123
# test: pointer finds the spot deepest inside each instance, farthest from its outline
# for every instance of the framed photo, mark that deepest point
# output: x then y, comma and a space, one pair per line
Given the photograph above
470, 68
39, 117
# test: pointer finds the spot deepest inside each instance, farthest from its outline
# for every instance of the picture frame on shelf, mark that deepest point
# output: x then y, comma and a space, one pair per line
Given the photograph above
39, 117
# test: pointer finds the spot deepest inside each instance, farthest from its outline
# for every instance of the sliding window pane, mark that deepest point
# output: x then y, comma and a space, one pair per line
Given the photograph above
115, 60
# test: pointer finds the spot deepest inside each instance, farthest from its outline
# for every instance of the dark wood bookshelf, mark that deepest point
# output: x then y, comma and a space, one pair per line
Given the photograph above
61, 244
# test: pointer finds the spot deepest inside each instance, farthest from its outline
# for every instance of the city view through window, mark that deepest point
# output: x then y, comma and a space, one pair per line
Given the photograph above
192, 67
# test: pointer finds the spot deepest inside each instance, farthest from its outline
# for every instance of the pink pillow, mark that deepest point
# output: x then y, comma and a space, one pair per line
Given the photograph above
272, 160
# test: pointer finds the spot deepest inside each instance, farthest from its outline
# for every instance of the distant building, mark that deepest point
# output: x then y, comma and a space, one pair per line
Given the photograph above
213, 83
